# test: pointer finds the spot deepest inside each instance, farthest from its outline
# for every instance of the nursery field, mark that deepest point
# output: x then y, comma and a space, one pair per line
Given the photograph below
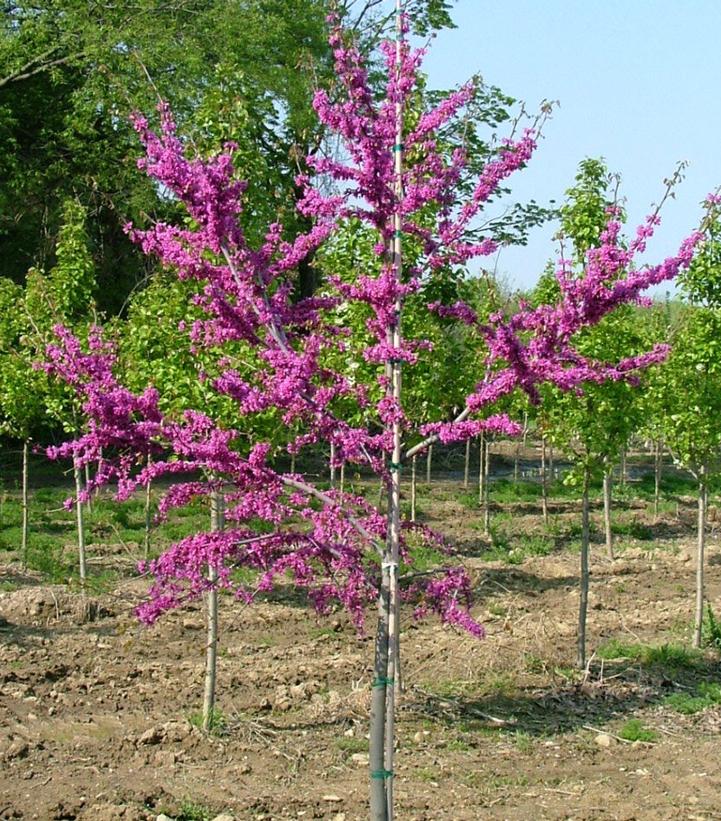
99, 715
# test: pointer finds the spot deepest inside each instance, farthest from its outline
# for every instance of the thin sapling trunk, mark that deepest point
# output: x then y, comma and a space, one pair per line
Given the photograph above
429, 462
80, 522
217, 523
26, 509
467, 464
148, 515
89, 502
607, 488
480, 470
583, 604
413, 488
544, 485
486, 488
700, 550
657, 466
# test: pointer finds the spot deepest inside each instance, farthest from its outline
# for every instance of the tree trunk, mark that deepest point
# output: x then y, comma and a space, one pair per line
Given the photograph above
292, 462
89, 502
481, 491
486, 488
217, 523
467, 464
332, 464
583, 605
607, 486
376, 747
657, 465
148, 517
342, 478
413, 488
382, 729
550, 463
429, 461
544, 485
701, 545
623, 467
80, 522
26, 510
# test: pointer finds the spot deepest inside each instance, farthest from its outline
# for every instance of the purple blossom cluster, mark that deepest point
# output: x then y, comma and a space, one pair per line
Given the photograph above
321, 540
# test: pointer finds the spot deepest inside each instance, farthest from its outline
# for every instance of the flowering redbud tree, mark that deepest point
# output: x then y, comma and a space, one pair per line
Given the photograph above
336, 546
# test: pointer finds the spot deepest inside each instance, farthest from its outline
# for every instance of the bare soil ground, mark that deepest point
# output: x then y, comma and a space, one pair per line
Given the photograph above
96, 712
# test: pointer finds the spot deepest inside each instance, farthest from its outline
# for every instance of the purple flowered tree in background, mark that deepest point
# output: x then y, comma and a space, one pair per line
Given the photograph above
399, 182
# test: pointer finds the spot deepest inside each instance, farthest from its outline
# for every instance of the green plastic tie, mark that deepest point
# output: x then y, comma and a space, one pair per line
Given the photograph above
382, 774
398, 147
398, 234
394, 466
382, 681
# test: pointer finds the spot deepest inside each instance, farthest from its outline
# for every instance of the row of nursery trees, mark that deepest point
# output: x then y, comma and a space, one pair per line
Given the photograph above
221, 376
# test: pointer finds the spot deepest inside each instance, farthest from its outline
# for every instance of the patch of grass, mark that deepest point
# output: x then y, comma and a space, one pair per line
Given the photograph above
535, 664
427, 774
496, 609
707, 694
711, 630
190, 811
634, 530
349, 746
218, 721
45, 555
635, 730
423, 557
508, 490
523, 741
501, 685
7, 586
469, 500
671, 656
615, 649
667, 656
537, 546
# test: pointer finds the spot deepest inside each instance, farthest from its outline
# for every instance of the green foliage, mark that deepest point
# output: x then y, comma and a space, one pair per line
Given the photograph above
666, 656
635, 730
591, 428
707, 694
702, 280
711, 629
687, 390
218, 724
585, 213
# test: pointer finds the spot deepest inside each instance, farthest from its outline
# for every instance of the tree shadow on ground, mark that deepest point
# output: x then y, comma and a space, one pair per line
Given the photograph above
495, 580
612, 691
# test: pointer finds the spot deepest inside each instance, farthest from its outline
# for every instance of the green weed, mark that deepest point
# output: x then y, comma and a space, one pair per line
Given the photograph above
667, 656
349, 746
635, 730
711, 630
707, 694
218, 721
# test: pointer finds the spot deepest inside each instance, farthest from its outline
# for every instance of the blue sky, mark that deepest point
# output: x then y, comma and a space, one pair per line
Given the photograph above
639, 83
